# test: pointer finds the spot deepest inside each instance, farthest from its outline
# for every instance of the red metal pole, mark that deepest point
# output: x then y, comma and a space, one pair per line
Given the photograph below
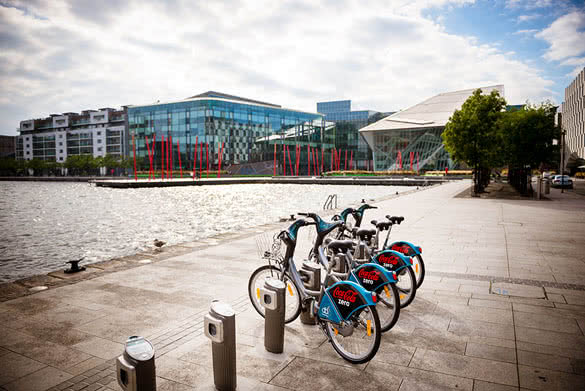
195, 157
411, 159
167, 151
322, 160
149, 159
417, 162
200, 147
289, 161
345, 163
207, 159
331, 160
284, 160
134, 153
274, 171
179, 152
171, 154
308, 160
162, 157
351, 161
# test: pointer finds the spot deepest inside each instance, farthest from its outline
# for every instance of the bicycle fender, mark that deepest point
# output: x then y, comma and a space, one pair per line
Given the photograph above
371, 276
392, 260
342, 299
405, 248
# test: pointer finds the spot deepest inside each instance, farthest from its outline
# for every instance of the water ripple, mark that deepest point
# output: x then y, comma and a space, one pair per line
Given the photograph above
44, 224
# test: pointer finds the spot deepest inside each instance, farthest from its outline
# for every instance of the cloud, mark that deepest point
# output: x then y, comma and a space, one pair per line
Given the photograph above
295, 53
565, 36
531, 4
526, 32
528, 18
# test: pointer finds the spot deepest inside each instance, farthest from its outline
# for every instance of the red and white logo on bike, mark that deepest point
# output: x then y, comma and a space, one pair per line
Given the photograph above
349, 295
372, 275
388, 259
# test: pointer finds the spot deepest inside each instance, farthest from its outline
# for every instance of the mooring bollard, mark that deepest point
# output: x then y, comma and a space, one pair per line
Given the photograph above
273, 300
135, 367
219, 326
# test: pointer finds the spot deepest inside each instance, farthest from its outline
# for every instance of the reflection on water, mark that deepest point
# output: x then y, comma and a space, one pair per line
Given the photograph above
44, 224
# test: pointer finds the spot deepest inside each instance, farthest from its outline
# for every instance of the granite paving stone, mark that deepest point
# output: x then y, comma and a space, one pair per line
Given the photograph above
464, 366
549, 380
458, 333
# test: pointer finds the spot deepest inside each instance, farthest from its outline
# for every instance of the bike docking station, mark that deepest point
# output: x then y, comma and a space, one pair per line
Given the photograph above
219, 325
273, 299
311, 275
135, 367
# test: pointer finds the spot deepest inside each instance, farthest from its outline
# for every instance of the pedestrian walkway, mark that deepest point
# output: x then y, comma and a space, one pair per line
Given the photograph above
502, 308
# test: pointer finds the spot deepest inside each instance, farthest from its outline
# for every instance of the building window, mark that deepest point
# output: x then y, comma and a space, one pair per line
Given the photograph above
99, 141
28, 145
99, 133
60, 143
60, 151
99, 149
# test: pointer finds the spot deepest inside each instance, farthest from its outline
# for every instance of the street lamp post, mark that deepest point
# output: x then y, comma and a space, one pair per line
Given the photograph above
562, 160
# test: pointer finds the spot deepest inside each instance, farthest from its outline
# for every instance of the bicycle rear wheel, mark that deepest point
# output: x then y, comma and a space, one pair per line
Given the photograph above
293, 298
358, 339
406, 286
388, 306
419, 269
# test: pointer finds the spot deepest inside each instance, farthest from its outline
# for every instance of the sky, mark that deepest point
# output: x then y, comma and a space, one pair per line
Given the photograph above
71, 55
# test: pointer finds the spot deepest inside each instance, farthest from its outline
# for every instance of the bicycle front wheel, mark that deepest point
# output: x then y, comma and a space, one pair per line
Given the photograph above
293, 298
356, 340
406, 285
388, 306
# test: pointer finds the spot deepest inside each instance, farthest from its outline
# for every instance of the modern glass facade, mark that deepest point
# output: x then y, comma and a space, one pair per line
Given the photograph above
423, 145
347, 124
248, 130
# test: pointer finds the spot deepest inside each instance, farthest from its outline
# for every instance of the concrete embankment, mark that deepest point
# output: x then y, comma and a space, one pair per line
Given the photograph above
371, 181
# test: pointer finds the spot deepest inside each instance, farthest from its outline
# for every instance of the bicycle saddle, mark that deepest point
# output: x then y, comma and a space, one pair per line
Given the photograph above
340, 245
364, 232
382, 225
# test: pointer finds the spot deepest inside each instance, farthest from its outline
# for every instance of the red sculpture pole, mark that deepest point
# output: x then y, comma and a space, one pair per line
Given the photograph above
134, 153
322, 159
331, 160
283, 160
289, 161
162, 158
417, 162
171, 154
219, 154
411, 159
274, 171
195, 157
207, 159
200, 147
351, 161
149, 158
167, 151
179, 152
308, 160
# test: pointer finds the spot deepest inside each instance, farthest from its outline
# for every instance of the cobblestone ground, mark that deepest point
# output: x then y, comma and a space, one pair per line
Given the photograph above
502, 308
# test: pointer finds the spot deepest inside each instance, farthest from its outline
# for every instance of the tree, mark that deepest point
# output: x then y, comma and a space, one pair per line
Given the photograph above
471, 135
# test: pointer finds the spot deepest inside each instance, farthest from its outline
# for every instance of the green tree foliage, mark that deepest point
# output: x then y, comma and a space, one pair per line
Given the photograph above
528, 135
471, 135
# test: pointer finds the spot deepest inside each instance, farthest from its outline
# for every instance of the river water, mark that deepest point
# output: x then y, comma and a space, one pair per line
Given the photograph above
45, 224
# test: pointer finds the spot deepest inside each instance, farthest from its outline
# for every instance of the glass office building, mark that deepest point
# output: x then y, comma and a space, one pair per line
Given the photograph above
414, 135
247, 128
347, 125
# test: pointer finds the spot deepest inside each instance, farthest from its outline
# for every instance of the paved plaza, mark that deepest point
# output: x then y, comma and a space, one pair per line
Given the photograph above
502, 308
